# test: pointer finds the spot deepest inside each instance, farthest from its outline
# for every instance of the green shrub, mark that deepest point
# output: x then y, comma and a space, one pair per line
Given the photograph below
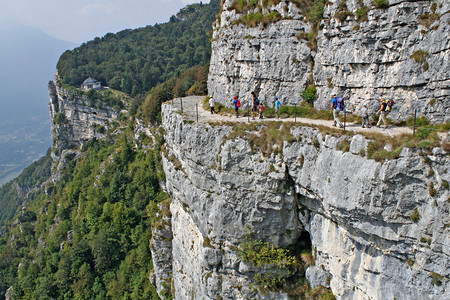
427, 19
419, 56
344, 145
253, 19
273, 265
342, 12
361, 14
60, 119
380, 4
309, 94
415, 216
313, 11
424, 133
432, 190
321, 293
436, 279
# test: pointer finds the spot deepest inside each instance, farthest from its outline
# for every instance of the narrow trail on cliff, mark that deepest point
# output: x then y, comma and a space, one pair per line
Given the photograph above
192, 104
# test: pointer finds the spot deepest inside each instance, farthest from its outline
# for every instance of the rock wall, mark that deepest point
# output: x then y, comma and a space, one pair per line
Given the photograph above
357, 212
362, 59
75, 120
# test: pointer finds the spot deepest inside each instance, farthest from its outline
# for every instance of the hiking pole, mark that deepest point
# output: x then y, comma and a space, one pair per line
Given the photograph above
295, 113
196, 108
248, 114
181, 102
415, 116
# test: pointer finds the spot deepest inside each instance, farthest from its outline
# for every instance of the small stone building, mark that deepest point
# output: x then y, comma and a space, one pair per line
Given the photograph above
91, 83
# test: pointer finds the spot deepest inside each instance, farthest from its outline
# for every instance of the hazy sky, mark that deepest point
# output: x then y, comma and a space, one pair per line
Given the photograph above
82, 20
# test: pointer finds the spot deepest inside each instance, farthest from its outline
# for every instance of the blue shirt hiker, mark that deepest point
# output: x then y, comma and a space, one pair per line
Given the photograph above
277, 106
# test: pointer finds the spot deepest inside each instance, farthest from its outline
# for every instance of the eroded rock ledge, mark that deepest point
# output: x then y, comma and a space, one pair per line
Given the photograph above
357, 212
75, 121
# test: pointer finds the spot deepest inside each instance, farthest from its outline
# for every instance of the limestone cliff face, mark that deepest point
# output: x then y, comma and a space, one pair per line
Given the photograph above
357, 212
400, 52
75, 120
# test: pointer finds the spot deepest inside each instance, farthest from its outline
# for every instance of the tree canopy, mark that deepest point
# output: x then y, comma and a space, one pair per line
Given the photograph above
134, 61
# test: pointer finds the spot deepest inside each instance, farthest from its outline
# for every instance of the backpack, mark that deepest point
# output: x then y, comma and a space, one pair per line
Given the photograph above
389, 105
340, 103
238, 103
256, 101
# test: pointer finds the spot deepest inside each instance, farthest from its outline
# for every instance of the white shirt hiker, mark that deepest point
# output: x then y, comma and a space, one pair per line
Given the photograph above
364, 112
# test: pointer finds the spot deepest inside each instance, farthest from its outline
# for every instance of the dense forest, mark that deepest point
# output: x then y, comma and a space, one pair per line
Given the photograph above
134, 61
87, 236
26, 184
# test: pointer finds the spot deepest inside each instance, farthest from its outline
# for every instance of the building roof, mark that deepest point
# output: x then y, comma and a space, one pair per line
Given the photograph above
90, 80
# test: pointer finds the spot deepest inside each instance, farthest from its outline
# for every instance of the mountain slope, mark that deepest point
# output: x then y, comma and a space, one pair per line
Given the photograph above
134, 61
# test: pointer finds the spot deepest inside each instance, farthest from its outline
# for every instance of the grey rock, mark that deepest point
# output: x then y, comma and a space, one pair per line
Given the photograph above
79, 117
9, 293
356, 211
360, 61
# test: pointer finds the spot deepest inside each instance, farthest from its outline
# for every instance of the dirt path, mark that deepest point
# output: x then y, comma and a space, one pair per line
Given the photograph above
193, 103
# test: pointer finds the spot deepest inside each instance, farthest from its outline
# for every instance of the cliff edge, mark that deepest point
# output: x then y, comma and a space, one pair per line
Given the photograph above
378, 230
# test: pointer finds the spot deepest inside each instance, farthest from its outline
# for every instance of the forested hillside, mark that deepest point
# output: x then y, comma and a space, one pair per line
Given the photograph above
134, 61
87, 237
15, 192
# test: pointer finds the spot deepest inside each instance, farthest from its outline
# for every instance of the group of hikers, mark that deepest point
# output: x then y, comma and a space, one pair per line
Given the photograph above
337, 105
257, 107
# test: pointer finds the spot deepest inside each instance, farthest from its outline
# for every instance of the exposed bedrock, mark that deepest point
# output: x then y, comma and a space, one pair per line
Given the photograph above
357, 212
401, 53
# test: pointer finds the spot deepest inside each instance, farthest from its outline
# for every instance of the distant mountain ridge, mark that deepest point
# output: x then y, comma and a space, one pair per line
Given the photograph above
28, 59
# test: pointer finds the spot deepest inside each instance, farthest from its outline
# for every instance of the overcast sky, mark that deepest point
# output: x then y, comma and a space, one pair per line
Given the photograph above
82, 20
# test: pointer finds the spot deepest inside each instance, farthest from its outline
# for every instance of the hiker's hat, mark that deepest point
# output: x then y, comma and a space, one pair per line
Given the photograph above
276, 98
210, 96
365, 104
235, 97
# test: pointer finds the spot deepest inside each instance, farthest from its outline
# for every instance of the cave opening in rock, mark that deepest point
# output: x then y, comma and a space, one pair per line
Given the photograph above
304, 240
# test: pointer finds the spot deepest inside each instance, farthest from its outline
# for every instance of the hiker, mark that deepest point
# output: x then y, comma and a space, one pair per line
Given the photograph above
382, 113
212, 104
255, 104
365, 116
236, 104
337, 104
277, 107
261, 109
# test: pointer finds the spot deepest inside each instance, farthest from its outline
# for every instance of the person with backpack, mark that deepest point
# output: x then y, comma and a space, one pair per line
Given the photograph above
365, 116
236, 104
382, 113
255, 104
337, 105
389, 105
277, 106
212, 104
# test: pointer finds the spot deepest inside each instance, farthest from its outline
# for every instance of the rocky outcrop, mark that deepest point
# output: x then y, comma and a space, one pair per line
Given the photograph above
161, 249
76, 119
363, 54
379, 230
